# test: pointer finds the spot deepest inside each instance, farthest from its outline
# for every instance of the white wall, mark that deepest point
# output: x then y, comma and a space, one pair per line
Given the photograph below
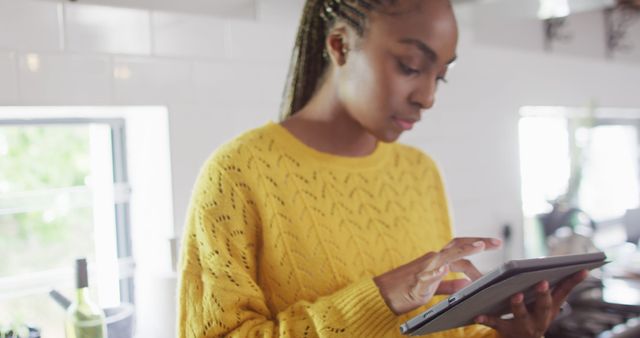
218, 77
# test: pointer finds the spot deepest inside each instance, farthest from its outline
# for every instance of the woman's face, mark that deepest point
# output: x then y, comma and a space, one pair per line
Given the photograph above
392, 76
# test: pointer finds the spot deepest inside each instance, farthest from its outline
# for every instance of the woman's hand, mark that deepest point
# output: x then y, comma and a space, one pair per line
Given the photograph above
412, 285
532, 322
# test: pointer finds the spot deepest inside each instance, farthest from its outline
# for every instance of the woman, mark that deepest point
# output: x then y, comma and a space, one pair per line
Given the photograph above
321, 225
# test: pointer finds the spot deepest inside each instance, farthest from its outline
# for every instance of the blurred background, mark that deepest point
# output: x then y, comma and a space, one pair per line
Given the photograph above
109, 107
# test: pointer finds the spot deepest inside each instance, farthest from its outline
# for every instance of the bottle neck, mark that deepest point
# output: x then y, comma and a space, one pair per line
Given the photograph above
82, 295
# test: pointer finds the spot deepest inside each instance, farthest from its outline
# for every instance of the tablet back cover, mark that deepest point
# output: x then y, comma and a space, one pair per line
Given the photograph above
494, 300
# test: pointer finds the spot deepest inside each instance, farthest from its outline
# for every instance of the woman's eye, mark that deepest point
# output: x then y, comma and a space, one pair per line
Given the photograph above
442, 79
407, 70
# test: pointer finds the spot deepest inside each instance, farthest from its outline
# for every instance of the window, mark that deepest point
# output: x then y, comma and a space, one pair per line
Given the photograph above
588, 159
610, 175
544, 162
63, 194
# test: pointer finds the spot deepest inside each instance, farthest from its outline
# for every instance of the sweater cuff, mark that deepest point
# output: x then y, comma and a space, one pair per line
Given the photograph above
364, 309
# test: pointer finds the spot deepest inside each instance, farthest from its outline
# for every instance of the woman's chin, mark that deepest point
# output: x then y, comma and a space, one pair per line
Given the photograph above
389, 136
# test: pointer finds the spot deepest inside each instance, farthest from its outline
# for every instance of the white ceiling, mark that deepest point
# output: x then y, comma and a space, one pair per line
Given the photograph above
227, 8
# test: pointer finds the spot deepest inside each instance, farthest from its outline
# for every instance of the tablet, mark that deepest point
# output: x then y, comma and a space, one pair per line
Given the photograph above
490, 295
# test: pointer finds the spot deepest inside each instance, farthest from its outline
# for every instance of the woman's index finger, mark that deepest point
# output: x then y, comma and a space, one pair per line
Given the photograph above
459, 251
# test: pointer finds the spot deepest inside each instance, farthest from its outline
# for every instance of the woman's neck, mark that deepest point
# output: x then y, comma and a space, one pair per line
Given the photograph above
325, 125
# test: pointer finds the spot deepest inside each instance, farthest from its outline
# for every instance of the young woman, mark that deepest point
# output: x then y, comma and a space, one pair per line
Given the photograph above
321, 225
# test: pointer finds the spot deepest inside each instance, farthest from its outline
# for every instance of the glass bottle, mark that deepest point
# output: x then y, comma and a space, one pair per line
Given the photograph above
84, 318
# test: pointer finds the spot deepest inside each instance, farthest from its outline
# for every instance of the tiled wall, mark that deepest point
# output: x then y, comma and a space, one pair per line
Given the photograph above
133, 56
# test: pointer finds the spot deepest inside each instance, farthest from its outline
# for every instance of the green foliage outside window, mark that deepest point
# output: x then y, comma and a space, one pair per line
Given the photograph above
43, 161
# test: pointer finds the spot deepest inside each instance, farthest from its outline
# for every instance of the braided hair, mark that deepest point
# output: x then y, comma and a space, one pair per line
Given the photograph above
309, 59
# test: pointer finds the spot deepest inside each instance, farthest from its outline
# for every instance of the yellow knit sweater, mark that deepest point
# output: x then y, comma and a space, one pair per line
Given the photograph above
283, 241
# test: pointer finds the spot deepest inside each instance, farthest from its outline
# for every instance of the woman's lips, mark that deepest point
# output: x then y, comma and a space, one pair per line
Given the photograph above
404, 124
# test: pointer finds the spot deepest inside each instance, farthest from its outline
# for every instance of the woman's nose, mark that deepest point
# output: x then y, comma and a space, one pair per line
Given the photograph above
424, 96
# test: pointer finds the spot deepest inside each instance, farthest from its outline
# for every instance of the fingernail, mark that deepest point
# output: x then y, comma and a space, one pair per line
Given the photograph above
427, 275
544, 286
518, 298
480, 320
496, 241
441, 269
423, 276
478, 244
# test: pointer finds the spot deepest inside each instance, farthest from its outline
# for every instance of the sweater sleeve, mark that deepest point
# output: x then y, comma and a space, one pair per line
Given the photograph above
479, 331
220, 294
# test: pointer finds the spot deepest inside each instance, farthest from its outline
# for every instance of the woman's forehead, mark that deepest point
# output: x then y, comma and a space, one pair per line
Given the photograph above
432, 22
399, 8
417, 16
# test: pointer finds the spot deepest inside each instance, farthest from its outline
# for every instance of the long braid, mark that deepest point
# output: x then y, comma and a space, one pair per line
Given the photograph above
309, 59
307, 62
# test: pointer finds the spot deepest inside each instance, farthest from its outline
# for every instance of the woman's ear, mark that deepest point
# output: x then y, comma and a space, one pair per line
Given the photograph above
337, 45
